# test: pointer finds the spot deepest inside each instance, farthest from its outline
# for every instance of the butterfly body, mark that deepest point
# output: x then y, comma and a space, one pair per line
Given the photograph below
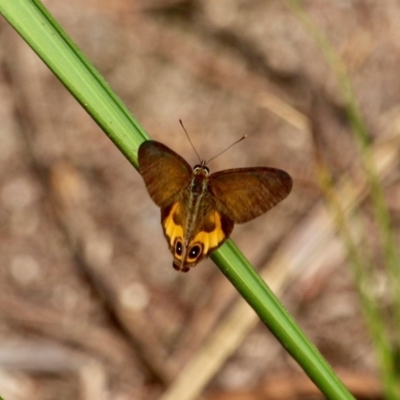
199, 210
193, 225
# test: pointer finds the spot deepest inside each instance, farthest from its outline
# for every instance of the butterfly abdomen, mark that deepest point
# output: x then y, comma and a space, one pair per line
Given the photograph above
194, 198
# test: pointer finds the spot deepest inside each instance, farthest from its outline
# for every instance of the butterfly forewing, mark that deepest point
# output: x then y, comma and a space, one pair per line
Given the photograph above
246, 193
164, 172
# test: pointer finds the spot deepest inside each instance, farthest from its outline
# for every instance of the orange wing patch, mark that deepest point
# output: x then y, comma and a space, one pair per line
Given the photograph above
210, 239
211, 231
172, 228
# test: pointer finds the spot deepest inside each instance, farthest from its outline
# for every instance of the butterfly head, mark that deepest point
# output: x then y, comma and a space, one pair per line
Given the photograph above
201, 169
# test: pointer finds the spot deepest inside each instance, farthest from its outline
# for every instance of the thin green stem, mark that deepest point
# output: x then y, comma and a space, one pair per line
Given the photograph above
254, 290
50, 42
375, 320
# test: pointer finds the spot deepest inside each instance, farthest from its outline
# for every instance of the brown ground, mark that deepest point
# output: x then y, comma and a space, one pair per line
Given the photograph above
90, 307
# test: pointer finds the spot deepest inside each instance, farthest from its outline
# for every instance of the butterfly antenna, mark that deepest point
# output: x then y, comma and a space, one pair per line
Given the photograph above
190, 140
222, 152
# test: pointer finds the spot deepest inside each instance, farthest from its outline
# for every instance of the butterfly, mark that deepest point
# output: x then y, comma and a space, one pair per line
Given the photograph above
199, 210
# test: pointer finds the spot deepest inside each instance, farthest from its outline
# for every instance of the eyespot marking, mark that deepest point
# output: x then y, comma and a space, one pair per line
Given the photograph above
178, 248
194, 252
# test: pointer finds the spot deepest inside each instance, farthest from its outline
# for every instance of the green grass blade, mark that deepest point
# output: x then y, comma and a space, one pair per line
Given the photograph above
254, 290
375, 320
45, 36
50, 42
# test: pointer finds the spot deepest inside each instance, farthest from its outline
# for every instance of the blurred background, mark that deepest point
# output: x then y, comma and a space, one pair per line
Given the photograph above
90, 306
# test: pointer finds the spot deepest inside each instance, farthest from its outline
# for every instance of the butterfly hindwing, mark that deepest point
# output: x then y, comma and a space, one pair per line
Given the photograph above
246, 193
189, 246
164, 172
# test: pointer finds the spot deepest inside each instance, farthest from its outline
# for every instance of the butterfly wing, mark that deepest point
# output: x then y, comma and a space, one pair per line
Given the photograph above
246, 193
164, 172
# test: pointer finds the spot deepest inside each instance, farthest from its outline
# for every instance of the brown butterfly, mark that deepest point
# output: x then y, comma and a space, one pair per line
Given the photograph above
198, 210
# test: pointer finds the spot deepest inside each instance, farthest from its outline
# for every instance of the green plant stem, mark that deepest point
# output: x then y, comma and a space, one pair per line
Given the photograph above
375, 321
381, 212
359, 264
254, 290
50, 42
